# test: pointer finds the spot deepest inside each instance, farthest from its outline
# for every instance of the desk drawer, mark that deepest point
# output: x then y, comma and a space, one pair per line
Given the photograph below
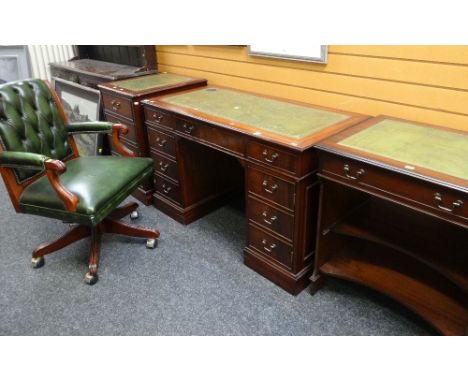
272, 156
161, 141
270, 218
131, 127
117, 105
156, 117
213, 135
270, 246
431, 197
167, 188
165, 166
271, 188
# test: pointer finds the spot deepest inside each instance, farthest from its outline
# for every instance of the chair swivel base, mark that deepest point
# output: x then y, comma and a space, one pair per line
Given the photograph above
111, 224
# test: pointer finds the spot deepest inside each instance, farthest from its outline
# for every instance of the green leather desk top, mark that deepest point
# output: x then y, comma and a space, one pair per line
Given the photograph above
151, 81
437, 150
288, 119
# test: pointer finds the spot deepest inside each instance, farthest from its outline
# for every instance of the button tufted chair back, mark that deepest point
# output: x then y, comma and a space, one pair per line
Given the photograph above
30, 121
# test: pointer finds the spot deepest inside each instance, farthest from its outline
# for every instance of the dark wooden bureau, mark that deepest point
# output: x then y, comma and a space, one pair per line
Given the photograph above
210, 141
95, 64
394, 216
121, 103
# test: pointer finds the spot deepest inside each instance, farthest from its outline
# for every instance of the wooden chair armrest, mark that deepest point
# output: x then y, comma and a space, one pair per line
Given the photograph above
54, 168
118, 129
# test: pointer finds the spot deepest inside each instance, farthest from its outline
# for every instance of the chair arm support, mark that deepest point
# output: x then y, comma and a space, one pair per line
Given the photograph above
118, 129
54, 168
89, 127
23, 160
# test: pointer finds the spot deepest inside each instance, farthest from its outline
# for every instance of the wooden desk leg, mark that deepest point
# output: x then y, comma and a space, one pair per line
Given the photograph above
316, 282
335, 202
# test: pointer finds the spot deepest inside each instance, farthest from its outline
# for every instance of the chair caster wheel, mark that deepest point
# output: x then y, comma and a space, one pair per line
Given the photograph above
37, 262
134, 215
151, 243
90, 279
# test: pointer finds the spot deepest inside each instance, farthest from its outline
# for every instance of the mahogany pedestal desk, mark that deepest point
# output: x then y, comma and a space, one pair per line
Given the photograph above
394, 216
267, 141
121, 103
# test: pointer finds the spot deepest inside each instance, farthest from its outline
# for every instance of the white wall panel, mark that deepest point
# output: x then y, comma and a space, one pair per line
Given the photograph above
40, 56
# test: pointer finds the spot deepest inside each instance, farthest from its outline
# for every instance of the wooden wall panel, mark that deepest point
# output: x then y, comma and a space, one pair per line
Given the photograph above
422, 83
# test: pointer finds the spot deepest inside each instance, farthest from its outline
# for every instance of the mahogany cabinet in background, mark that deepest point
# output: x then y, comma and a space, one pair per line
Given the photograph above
121, 101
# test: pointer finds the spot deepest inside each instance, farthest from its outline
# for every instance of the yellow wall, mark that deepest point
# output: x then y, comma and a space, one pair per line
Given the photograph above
422, 83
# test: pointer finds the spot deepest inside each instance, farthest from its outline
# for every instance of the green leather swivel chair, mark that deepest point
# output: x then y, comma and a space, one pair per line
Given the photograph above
45, 175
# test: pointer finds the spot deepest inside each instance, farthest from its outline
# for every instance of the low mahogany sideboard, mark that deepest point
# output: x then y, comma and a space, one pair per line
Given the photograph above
394, 216
208, 141
121, 104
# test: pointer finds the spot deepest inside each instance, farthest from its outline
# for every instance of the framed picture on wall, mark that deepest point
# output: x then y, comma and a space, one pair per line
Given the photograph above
81, 104
13, 63
298, 52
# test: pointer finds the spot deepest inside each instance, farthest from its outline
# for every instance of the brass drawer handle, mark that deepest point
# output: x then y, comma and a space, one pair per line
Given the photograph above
158, 117
115, 105
273, 157
456, 204
161, 142
268, 220
359, 173
188, 128
163, 167
267, 247
166, 188
270, 189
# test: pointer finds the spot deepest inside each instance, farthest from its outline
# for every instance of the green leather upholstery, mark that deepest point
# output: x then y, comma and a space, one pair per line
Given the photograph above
89, 127
15, 159
30, 122
32, 130
100, 183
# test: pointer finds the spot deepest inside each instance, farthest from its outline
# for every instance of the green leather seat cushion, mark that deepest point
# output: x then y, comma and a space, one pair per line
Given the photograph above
101, 184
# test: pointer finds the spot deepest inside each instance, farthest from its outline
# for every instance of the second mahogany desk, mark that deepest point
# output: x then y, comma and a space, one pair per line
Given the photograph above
394, 216
189, 134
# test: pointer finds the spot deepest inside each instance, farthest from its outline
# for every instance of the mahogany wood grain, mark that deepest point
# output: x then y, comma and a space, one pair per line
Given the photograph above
118, 129
54, 168
131, 135
73, 235
271, 188
111, 224
125, 106
122, 211
95, 252
118, 105
411, 191
168, 189
120, 227
382, 226
156, 117
215, 156
163, 142
165, 166
270, 218
270, 245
